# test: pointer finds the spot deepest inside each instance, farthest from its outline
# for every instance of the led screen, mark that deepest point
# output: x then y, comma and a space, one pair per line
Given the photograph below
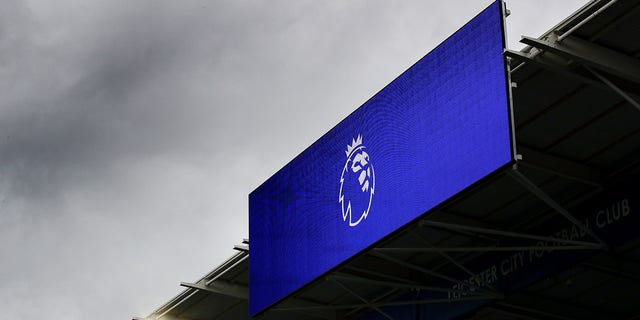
435, 130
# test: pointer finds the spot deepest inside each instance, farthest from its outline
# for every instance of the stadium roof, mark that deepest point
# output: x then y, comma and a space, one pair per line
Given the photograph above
577, 122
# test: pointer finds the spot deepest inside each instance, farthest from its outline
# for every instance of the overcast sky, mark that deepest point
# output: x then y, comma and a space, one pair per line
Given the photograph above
131, 132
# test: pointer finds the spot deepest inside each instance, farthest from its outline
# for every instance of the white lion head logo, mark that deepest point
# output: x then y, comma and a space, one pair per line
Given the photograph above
357, 183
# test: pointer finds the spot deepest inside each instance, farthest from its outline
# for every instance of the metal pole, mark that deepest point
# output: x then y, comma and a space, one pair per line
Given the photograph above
484, 249
615, 88
593, 15
393, 284
507, 233
533, 188
429, 272
363, 299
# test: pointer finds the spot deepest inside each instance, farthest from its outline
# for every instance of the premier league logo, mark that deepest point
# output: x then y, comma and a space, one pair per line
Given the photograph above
357, 183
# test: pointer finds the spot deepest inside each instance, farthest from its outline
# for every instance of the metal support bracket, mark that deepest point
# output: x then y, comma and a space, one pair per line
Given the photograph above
221, 287
576, 243
448, 257
432, 273
556, 64
353, 293
544, 197
561, 167
390, 284
588, 53
615, 88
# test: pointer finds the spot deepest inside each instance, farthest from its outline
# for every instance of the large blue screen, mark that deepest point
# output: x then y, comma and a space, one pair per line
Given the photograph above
435, 130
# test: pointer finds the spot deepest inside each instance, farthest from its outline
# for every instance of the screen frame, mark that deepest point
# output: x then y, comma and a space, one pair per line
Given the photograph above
513, 159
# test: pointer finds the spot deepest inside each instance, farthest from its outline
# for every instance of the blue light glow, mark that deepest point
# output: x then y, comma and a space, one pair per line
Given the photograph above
435, 130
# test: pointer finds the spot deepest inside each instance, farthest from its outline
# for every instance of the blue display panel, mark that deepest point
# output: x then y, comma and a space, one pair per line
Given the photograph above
438, 128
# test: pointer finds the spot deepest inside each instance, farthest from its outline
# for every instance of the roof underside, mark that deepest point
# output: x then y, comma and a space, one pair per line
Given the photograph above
577, 124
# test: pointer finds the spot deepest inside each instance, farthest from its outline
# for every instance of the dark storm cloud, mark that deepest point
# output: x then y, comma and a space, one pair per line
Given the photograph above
94, 111
127, 82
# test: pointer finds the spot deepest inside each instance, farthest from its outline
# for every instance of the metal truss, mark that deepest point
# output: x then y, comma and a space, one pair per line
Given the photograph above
396, 285
370, 305
449, 258
614, 87
558, 243
473, 288
560, 51
221, 287
590, 54
587, 19
411, 286
388, 303
575, 243
616, 272
560, 167
544, 197
163, 311
577, 172
526, 312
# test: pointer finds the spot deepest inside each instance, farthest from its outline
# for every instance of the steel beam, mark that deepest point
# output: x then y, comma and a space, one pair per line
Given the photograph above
528, 312
486, 249
554, 63
381, 275
189, 292
374, 301
221, 287
511, 313
560, 166
320, 313
587, 19
611, 271
242, 248
227, 268
446, 256
544, 197
228, 264
591, 54
450, 258
168, 317
615, 23
353, 293
509, 234
430, 272
570, 307
177, 303
615, 88
626, 164
394, 303
302, 305
393, 284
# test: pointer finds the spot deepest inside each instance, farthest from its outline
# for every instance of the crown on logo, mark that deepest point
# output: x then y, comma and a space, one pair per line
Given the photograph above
354, 143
